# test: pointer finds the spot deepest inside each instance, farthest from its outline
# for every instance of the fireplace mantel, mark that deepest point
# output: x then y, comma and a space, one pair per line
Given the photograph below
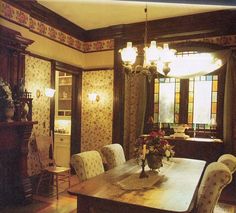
15, 186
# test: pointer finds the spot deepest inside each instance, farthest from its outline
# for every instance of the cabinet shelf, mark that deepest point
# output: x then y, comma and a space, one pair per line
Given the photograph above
64, 99
64, 85
65, 76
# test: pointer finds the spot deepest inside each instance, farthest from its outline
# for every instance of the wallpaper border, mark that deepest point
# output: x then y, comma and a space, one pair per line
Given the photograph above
24, 19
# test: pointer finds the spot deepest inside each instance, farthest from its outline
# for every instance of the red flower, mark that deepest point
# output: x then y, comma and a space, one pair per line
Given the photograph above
158, 133
164, 142
155, 144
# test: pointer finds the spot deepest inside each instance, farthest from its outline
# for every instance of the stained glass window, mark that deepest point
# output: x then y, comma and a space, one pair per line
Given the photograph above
166, 100
202, 104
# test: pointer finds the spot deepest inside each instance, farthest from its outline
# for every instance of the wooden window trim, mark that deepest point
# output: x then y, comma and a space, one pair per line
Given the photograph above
183, 113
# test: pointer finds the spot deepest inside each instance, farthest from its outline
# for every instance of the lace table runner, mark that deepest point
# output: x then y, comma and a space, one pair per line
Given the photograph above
133, 182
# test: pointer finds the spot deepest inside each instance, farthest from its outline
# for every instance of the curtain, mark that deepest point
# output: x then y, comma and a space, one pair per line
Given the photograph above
229, 104
134, 110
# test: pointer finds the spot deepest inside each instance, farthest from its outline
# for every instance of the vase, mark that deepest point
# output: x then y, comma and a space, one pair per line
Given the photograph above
154, 161
9, 113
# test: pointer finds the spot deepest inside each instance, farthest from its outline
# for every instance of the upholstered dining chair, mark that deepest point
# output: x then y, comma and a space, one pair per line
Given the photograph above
215, 178
87, 164
229, 160
113, 154
49, 170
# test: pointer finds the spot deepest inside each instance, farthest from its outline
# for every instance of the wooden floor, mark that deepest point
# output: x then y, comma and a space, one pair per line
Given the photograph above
68, 203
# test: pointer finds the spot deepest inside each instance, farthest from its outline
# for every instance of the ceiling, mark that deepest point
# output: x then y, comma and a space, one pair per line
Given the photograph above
93, 14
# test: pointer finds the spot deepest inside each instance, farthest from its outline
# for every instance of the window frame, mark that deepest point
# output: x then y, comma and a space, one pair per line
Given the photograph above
183, 107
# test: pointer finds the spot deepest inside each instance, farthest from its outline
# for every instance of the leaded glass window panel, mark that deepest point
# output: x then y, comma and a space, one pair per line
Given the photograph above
166, 100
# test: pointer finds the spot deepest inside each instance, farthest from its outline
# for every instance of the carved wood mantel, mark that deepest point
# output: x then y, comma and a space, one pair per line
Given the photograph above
15, 186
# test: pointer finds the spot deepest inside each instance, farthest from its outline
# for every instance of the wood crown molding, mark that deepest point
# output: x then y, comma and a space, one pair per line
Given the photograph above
49, 17
67, 68
13, 39
222, 22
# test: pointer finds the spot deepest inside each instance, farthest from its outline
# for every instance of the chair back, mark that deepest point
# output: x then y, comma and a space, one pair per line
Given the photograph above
215, 178
87, 164
43, 144
229, 160
114, 155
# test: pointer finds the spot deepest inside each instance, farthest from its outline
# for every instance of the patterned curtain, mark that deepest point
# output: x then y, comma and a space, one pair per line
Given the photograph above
134, 110
229, 104
229, 124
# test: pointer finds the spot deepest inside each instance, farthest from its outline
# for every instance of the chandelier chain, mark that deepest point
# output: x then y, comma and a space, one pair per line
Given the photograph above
146, 27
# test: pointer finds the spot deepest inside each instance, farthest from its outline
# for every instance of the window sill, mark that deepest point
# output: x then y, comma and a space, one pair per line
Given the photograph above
217, 140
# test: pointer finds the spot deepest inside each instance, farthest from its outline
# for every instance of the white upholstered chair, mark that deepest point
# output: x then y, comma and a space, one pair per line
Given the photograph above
87, 164
113, 154
229, 160
215, 178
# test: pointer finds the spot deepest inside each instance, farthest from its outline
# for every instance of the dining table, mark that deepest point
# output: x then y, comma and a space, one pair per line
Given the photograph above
172, 188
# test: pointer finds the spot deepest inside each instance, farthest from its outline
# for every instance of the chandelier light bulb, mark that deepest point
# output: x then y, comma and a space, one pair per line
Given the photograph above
128, 54
168, 55
152, 53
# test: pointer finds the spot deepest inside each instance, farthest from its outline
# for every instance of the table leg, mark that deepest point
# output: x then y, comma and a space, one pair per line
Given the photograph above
82, 204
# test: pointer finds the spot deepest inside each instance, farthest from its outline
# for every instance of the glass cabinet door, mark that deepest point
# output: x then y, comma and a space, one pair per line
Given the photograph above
64, 94
62, 123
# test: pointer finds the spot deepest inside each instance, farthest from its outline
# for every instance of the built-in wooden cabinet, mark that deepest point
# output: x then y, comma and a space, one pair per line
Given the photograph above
62, 149
12, 55
197, 148
62, 123
15, 185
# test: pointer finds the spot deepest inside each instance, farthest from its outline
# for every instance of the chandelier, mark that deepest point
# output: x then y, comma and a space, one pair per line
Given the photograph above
156, 59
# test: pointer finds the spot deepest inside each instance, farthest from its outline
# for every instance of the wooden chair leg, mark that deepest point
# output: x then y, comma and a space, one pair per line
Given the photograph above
51, 179
57, 185
69, 177
40, 179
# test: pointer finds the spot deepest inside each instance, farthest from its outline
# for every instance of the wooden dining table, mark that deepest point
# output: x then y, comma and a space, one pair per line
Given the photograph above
175, 192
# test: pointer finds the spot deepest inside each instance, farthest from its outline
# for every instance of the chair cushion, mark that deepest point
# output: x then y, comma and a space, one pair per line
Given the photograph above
114, 155
215, 178
229, 160
87, 164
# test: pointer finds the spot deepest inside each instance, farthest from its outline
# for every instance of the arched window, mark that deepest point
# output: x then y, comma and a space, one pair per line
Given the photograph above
196, 101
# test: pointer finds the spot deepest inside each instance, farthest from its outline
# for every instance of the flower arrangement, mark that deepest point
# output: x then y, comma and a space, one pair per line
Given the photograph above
153, 144
6, 100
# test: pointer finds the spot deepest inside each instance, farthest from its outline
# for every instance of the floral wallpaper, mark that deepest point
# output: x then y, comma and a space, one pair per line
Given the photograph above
38, 77
24, 19
96, 123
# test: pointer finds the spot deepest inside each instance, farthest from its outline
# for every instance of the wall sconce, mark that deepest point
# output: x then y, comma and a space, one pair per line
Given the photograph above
49, 92
93, 97
38, 93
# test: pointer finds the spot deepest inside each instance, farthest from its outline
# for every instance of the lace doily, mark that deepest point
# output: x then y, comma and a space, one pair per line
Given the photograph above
133, 182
